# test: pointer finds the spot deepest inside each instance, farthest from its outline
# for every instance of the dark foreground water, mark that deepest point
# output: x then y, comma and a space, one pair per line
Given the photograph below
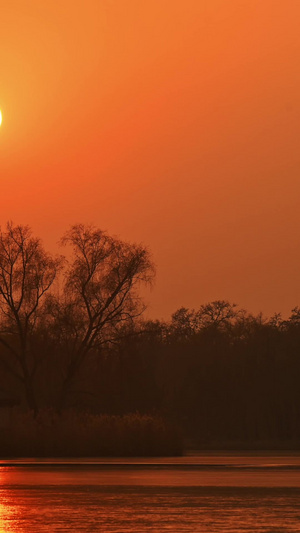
193, 494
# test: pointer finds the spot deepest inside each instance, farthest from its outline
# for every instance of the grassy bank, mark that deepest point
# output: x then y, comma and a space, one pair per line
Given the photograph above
74, 434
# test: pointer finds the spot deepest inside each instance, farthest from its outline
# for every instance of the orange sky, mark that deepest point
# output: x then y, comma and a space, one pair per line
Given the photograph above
172, 123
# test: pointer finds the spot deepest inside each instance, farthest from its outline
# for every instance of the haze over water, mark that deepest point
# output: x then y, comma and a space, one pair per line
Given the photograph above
207, 494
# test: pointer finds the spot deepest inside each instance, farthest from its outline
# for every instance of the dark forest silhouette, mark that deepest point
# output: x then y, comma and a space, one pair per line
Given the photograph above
72, 337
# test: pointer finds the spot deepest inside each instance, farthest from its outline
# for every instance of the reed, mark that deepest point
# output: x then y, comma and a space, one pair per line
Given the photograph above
77, 434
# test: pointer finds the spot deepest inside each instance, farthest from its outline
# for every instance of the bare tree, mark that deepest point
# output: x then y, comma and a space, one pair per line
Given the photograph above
26, 274
217, 314
100, 294
184, 323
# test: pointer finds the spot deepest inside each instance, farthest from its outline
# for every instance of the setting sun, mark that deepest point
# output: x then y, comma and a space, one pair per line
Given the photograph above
0, 117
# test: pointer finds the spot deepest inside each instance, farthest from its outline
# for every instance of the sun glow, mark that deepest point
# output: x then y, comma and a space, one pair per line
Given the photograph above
0, 117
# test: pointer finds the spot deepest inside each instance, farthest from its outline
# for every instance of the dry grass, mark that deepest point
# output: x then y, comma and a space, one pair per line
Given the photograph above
74, 434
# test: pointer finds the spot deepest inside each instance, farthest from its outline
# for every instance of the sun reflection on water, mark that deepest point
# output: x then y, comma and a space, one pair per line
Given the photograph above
43, 499
7, 514
9, 509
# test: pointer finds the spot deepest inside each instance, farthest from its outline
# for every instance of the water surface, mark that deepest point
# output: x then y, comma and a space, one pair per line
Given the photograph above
207, 493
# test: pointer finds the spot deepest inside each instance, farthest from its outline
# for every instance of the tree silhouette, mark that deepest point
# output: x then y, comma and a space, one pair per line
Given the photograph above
100, 294
26, 274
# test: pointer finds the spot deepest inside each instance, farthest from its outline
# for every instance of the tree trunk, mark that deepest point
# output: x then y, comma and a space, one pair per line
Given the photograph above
29, 391
61, 404
30, 397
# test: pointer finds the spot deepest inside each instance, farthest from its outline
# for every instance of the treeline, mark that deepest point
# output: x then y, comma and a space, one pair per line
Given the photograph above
72, 337
228, 378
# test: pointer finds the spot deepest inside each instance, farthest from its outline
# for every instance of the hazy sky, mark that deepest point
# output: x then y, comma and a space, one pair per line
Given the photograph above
175, 123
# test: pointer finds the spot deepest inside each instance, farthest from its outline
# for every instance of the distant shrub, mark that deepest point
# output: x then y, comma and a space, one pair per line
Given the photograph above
75, 434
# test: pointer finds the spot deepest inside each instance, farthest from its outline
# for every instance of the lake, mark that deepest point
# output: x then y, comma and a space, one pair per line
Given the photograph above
207, 493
